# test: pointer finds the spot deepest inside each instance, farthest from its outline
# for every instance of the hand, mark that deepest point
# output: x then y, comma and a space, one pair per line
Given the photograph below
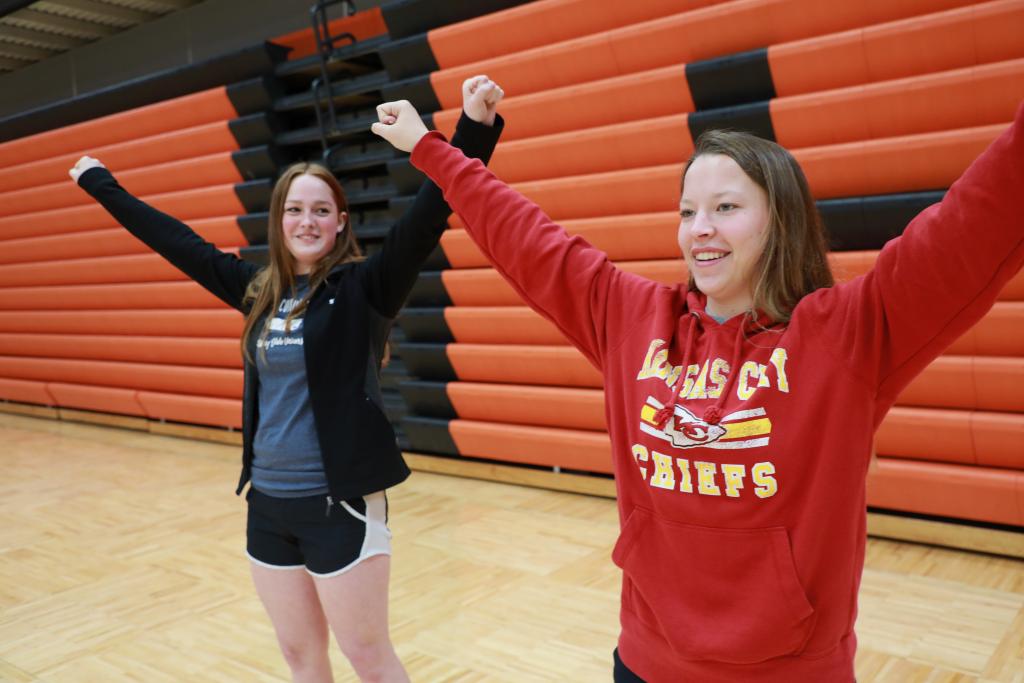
400, 124
83, 165
480, 97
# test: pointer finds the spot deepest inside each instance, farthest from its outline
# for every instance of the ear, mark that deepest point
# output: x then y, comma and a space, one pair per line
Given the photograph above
342, 221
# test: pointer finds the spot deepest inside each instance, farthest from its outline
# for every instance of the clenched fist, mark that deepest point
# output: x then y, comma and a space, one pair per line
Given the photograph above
400, 124
83, 165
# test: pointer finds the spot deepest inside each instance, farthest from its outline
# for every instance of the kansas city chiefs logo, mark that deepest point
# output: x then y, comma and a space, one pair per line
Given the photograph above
687, 430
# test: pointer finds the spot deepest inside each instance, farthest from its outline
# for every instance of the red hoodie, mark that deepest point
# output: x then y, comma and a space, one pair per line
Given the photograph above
743, 516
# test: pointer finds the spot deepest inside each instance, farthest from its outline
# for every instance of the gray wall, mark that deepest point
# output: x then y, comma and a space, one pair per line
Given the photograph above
192, 35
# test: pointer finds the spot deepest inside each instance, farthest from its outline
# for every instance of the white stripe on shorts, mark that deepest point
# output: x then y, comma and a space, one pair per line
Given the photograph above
377, 540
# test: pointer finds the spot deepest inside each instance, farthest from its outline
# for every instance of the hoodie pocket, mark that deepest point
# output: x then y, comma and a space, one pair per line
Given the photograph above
729, 595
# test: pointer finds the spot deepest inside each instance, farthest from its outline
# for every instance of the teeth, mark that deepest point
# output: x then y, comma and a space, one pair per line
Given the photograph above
709, 255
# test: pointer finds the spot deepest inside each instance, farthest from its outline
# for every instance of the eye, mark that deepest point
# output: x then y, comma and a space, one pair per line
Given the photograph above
726, 206
323, 212
686, 213
291, 209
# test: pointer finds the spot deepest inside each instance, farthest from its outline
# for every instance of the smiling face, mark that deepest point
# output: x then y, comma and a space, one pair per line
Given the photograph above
311, 221
724, 220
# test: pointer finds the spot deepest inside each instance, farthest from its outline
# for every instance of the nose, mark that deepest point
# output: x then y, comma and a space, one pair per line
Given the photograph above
701, 225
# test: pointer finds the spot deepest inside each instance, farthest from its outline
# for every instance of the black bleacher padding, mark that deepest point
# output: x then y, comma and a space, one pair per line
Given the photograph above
254, 129
254, 227
429, 290
394, 407
418, 90
350, 124
163, 85
751, 118
425, 325
260, 255
428, 435
253, 95
427, 399
395, 372
261, 161
427, 361
346, 92
408, 57
406, 18
734, 79
254, 194
404, 176
361, 154
350, 59
863, 223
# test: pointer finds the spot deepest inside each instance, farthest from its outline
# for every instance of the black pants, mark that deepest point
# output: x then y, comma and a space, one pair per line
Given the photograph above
621, 673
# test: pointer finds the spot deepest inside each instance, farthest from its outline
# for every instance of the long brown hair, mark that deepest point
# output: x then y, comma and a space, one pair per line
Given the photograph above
794, 261
266, 290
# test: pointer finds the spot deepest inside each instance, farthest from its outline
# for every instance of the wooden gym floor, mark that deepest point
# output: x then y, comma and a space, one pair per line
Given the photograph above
121, 559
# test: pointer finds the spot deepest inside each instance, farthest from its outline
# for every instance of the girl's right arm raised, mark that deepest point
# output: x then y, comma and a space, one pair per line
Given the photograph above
564, 278
223, 275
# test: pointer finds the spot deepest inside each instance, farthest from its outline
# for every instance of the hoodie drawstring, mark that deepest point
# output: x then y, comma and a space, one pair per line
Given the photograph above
663, 415
712, 414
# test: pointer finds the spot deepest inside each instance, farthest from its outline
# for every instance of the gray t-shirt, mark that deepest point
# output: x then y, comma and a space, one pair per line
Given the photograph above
287, 460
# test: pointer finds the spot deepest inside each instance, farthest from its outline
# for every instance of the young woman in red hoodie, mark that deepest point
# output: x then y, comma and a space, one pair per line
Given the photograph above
741, 406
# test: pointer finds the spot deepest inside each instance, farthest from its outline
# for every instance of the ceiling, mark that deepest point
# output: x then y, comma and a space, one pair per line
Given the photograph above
33, 31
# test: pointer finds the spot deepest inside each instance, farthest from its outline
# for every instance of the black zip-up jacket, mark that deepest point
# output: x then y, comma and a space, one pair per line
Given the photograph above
345, 326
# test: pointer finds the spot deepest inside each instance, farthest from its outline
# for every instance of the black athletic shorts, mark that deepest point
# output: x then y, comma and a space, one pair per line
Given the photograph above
327, 540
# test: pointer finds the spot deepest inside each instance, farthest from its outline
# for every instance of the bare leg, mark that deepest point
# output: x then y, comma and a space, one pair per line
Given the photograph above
290, 599
356, 605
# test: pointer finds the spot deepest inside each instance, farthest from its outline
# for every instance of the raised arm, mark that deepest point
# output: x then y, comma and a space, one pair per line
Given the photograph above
391, 272
939, 278
564, 278
223, 275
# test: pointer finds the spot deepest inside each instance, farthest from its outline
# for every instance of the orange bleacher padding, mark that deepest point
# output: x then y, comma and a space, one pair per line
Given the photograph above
545, 365
542, 23
224, 323
970, 437
144, 295
948, 39
904, 164
226, 383
528, 405
958, 491
571, 449
635, 97
484, 287
176, 114
206, 202
987, 384
496, 325
174, 176
108, 269
623, 238
364, 24
690, 36
177, 350
25, 391
101, 399
964, 98
1000, 333
665, 140
223, 232
206, 138
980, 383
206, 410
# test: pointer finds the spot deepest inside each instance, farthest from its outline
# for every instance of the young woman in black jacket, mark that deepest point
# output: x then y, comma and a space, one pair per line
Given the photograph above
316, 444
